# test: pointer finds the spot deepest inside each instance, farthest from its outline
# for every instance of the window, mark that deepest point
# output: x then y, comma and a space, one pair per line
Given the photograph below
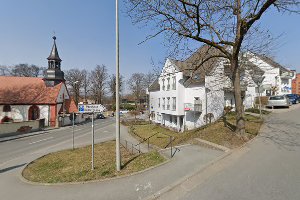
174, 103
33, 113
163, 86
168, 86
6, 108
168, 103
164, 103
158, 117
159, 102
174, 83
197, 104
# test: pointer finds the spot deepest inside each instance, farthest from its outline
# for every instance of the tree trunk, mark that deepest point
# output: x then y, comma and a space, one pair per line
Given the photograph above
240, 120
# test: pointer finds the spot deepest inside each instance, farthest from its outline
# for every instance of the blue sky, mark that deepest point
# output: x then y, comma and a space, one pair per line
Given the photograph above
85, 33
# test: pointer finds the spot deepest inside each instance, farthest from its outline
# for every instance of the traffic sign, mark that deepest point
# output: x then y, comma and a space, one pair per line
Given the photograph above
89, 108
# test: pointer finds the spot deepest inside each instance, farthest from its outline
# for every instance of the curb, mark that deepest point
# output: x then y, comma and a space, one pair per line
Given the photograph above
205, 167
213, 145
178, 182
21, 177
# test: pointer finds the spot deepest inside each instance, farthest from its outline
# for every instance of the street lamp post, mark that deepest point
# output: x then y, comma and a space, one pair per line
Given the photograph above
118, 154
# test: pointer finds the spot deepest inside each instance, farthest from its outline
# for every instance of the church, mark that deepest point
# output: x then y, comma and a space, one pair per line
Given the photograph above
32, 98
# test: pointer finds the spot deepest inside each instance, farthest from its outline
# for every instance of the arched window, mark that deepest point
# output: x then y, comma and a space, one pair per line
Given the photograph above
6, 108
33, 113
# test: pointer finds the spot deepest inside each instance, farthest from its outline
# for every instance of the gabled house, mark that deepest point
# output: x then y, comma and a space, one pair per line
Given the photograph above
186, 96
33, 98
278, 79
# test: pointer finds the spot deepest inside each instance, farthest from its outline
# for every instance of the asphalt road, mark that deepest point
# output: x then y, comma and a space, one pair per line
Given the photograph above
268, 168
15, 147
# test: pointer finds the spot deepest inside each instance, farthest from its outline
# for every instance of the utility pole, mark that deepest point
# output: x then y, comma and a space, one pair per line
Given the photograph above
118, 154
73, 129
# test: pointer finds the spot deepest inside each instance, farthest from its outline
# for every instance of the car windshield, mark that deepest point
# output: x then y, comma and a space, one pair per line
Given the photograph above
277, 98
290, 95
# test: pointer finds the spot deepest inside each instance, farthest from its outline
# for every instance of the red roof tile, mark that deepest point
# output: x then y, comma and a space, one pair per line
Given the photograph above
71, 106
27, 90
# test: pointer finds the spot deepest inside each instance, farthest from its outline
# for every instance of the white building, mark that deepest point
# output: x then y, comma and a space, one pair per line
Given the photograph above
183, 98
278, 79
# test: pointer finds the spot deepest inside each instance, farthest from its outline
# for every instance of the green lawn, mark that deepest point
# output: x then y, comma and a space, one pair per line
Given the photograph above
75, 165
215, 133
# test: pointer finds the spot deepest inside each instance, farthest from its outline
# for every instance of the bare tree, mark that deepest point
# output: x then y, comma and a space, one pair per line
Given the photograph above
150, 77
86, 83
112, 86
75, 79
98, 80
26, 70
137, 86
223, 25
4, 70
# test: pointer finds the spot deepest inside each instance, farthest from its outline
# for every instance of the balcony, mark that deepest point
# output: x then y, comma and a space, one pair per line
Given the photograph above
193, 107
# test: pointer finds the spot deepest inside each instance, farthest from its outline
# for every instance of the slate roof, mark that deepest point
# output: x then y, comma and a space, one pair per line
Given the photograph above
27, 90
154, 86
195, 65
54, 53
272, 63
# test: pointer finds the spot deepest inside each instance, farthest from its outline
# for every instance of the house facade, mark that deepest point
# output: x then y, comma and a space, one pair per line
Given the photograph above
278, 79
33, 98
186, 96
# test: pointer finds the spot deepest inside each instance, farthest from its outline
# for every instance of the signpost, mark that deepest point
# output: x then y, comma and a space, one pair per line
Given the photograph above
93, 141
91, 108
73, 128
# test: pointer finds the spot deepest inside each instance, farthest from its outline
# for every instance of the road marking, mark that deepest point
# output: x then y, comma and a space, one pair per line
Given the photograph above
41, 140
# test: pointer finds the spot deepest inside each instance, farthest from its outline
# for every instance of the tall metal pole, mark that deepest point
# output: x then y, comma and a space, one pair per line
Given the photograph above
73, 129
93, 141
118, 154
259, 96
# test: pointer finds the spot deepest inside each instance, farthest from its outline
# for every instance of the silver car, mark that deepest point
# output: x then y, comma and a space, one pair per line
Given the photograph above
280, 100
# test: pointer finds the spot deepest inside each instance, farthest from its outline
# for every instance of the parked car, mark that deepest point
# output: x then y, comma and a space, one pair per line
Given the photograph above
294, 98
280, 100
100, 116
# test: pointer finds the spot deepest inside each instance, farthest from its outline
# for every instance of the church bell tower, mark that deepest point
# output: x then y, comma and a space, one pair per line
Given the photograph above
54, 75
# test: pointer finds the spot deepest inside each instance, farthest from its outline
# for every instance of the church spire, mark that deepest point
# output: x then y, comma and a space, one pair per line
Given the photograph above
54, 53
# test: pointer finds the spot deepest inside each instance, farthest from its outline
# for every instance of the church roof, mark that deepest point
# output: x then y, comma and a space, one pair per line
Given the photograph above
27, 90
54, 53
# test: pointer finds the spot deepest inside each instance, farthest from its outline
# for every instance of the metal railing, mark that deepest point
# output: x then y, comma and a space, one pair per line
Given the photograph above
131, 148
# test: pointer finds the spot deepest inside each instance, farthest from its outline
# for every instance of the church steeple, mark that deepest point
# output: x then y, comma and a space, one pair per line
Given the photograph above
54, 75
54, 59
